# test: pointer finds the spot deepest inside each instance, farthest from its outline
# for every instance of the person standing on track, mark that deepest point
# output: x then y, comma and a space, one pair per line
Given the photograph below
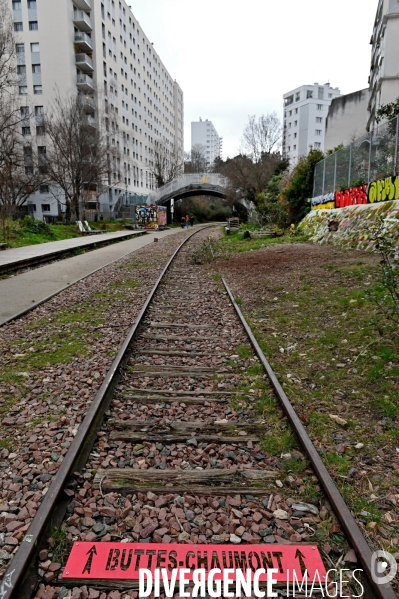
182, 222
192, 221
187, 221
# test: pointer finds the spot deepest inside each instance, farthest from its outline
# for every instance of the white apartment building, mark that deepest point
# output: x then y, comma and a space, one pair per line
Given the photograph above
305, 113
384, 69
98, 48
203, 133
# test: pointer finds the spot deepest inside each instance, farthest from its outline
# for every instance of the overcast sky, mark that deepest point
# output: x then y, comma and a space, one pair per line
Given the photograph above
234, 59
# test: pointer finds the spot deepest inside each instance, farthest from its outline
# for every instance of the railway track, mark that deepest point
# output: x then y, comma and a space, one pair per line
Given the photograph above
172, 451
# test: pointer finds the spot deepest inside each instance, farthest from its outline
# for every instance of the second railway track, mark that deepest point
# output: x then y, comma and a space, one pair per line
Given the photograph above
172, 450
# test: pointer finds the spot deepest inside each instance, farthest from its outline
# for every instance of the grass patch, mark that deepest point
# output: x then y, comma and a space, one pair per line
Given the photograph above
278, 442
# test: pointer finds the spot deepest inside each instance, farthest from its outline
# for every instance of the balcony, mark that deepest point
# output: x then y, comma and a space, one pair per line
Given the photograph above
88, 101
84, 62
85, 83
83, 4
82, 21
84, 42
91, 121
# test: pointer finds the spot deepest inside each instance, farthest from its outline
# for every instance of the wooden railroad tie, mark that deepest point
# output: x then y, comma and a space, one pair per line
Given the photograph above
167, 392
156, 399
128, 480
170, 325
177, 437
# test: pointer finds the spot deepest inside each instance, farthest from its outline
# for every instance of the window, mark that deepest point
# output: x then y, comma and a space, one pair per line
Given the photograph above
31, 3
319, 106
20, 48
295, 123
25, 130
39, 111
297, 96
40, 130
33, 25
43, 188
309, 94
21, 69
36, 68
34, 48
318, 131
18, 27
37, 90
45, 207
17, 5
317, 144
319, 119
24, 112
23, 90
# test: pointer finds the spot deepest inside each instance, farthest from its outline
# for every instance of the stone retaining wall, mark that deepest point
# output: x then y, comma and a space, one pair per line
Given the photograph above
354, 225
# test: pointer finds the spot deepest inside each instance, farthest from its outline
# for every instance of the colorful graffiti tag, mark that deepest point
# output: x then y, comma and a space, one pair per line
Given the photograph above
147, 216
383, 190
351, 197
324, 202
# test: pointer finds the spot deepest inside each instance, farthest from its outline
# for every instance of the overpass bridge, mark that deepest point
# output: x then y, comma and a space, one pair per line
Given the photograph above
185, 186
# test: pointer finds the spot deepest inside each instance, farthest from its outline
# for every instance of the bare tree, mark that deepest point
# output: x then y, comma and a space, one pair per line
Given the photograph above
21, 174
9, 107
79, 157
166, 163
196, 161
261, 136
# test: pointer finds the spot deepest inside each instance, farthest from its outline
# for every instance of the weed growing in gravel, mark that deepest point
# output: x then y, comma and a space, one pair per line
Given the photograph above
244, 351
62, 543
279, 441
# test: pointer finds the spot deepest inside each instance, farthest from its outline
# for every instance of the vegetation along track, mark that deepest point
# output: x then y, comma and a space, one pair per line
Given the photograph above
177, 447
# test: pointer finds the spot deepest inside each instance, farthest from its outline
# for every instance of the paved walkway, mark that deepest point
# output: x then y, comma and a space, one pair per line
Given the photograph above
30, 253
22, 292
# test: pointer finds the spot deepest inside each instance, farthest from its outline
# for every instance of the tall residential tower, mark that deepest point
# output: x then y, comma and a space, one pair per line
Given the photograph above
384, 69
305, 112
204, 134
97, 48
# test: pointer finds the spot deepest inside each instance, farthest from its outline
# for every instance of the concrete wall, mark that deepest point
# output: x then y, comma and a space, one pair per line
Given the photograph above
347, 118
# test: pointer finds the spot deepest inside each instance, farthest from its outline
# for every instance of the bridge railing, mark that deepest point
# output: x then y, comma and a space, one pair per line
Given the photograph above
184, 181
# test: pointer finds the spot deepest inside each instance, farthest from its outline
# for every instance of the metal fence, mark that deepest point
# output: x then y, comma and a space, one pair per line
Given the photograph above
370, 157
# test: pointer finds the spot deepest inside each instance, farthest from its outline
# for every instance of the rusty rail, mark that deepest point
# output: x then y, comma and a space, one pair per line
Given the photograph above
338, 504
20, 581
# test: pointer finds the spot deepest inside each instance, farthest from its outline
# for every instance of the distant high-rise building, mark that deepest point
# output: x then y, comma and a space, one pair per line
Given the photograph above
204, 134
305, 112
97, 48
384, 69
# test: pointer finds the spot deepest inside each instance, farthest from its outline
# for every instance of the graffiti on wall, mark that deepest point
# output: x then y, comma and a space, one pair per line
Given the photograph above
383, 190
351, 197
147, 216
324, 202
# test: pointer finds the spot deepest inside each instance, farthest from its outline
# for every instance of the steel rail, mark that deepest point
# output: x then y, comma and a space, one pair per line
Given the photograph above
344, 515
19, 582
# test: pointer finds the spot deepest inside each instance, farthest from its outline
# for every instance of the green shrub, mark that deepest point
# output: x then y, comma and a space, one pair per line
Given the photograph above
36, 226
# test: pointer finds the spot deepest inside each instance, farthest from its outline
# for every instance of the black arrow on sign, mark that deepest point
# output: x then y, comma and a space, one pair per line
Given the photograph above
92, 551
300, 556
